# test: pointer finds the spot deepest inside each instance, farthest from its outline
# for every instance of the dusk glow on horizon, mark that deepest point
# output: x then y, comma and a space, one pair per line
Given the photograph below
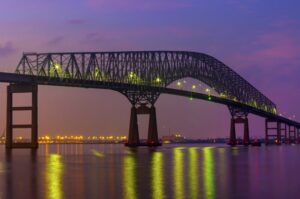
257, 39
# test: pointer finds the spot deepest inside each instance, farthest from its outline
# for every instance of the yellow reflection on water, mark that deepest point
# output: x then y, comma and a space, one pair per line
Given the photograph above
208, 173
157, 175
54, 174
129, 177
46, 149
178, 173
193, 172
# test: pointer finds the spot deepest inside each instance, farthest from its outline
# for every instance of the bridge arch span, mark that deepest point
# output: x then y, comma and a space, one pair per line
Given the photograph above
154, 68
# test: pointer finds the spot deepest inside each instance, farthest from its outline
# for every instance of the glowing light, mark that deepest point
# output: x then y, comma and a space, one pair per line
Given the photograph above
208, 173
158, 80
54, 173
207, 90
157, 175
133, 78
178, 173
222, 95
57, 66
178, 83
129, 177
131, 75
194, 87
193, 172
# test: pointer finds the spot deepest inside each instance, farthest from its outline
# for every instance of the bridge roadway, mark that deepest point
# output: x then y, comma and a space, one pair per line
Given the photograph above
53, 81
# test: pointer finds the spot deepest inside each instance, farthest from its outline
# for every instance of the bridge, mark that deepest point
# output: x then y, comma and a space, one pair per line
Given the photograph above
142, 76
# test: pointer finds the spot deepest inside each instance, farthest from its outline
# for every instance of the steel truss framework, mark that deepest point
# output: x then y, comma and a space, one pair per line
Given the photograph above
155, 68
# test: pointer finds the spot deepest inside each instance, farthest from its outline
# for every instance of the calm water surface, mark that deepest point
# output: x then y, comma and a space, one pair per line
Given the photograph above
171, 171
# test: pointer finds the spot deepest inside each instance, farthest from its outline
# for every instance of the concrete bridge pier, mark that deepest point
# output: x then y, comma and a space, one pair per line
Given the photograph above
292, 135
238, 117
152, 130
246, 138
297, 135
276, 131
10, 126
133, 137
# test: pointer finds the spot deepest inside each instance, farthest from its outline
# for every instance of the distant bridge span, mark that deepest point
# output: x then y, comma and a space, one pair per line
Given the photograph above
142, 76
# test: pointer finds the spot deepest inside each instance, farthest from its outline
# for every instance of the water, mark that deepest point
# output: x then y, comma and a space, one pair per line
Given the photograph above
170, 171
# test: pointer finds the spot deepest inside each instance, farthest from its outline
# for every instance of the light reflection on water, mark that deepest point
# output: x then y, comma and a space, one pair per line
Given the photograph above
178, 172
129, 177
54, 176
157, 175
113, 171
193, 172
208, 171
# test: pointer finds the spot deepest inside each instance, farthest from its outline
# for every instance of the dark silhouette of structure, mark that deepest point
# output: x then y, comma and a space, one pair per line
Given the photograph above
142, 76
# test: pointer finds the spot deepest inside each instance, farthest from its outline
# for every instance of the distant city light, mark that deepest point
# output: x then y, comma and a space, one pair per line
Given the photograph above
178, 83
194, 87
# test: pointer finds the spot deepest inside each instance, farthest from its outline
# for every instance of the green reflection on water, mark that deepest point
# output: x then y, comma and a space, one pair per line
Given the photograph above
193, 172
157, 175
129, 177
208, 171
54, 173
178, 172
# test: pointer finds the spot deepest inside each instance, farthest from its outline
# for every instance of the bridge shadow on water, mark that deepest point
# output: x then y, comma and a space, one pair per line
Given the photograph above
170, 171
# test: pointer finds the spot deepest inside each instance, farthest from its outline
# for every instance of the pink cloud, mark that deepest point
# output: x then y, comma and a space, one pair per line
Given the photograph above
6, 49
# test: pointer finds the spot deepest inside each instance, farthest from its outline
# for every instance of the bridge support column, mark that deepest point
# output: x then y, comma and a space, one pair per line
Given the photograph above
277, 131
246, 138
10, 126
133, 138
232, 139
297, 135
152, 130
292, 134
238, 117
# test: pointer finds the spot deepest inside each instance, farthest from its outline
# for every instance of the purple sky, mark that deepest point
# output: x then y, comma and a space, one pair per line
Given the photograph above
258, 39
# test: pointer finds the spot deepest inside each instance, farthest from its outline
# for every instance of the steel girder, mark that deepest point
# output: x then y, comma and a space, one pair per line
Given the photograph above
155, 68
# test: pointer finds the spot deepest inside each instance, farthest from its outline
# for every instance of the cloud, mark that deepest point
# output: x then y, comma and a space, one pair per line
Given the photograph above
55, 41
138, 5
75, 21
6, 49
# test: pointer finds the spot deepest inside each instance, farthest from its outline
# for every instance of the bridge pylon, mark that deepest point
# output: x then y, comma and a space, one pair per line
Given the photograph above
142, 103
292, 135
238, 117
10, 126
277, 130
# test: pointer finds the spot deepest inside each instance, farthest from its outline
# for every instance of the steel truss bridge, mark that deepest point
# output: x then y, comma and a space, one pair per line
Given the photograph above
142, 76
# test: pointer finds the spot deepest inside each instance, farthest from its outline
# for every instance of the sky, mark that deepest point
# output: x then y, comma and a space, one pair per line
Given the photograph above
258, 39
